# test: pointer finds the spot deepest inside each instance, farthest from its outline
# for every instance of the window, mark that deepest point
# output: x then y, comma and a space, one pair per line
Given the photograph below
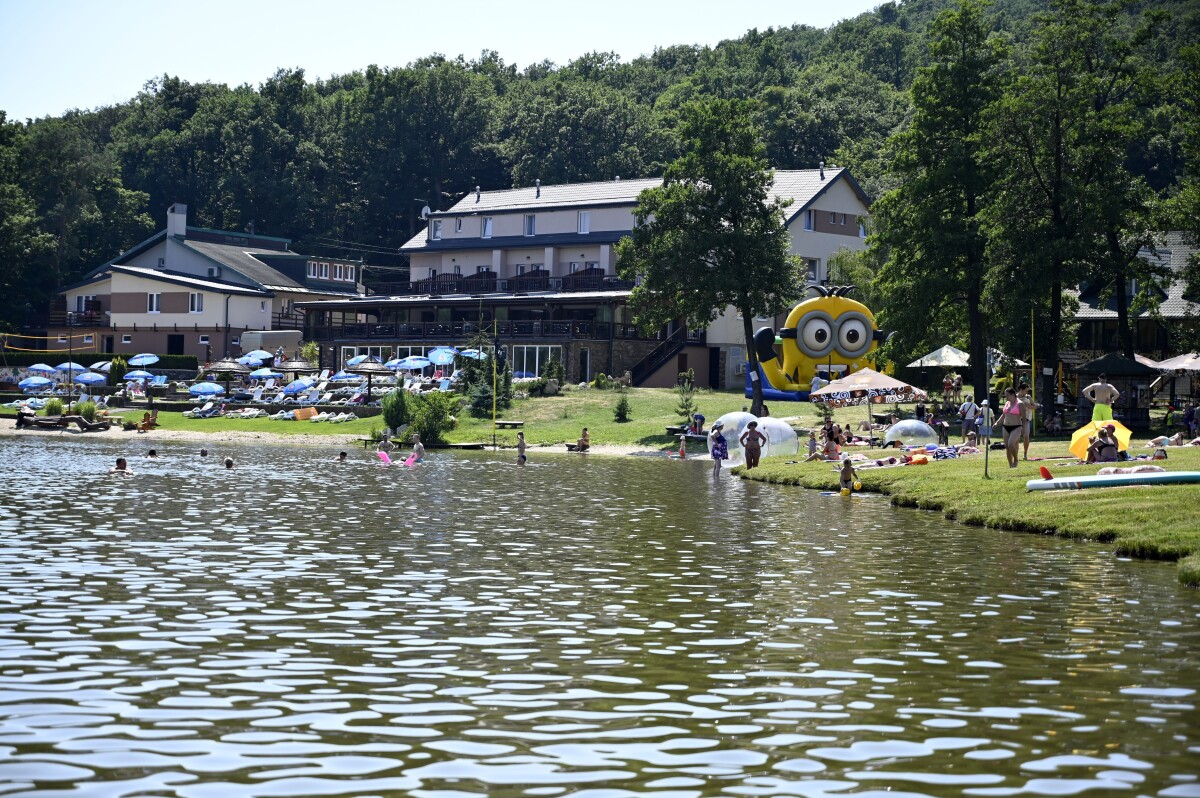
323, 271
89, 339
575, 266
458, 224
352, 274
520, 269
262, 305
457, 270
585, 222
195, 303
832, 217
312, 268
484, 270
810, 219
530, 224
62, 339
153, 303
204, 339
531, 361
591, 264
813, 265
126, 339
842, 219
81, 302
435, 229
485, 229
432, 273
862, 230
236, 340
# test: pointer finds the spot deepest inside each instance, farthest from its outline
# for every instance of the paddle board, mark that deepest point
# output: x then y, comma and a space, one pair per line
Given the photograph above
1114, 480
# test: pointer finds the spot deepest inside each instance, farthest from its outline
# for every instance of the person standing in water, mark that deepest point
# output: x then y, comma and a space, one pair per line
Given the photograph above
720, 447
418, 452
121, 468
521, 448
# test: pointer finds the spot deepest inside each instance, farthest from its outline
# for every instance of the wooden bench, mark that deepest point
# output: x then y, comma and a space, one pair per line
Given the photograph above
509, 424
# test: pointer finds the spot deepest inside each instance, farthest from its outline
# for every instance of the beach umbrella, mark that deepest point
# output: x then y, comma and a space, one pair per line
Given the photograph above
42, 369
91, 378
370, 369
70, 368
206, 389
866, 387
138, 374
102, 366
144, 359
394, 363
259, 354
299, 386
264, 373
345, 376
252, 362
1079, 438
227, 366
297, 366
358, 360
415, 362
473, 354
442, 356
34, 383
1188, 362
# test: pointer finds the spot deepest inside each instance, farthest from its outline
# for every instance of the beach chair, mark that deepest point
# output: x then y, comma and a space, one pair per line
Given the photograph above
444, 385
257, 395
282, 415
324, 376
161, 379
195, 412
149, 421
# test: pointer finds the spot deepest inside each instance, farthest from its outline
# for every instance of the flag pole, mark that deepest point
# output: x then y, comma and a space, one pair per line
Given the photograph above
493, 385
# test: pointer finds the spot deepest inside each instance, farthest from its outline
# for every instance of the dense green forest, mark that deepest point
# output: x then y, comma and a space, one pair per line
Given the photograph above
343, 165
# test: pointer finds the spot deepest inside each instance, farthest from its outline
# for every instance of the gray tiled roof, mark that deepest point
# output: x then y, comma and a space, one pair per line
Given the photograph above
1172, 252
802, 186
191, 280
242, 260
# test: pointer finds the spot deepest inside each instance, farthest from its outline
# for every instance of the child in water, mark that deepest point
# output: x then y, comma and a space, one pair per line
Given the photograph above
848, 474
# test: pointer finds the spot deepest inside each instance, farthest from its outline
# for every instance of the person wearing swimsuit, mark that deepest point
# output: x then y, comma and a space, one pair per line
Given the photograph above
1010, 422
720, 447
752, 441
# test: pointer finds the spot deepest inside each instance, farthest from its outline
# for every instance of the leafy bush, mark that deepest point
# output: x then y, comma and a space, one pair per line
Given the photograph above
310, 351
621, 411
480, 401
601, 382
537, 387
433, 415
87, 410
54, 407
117, 369
396, 412
554, 369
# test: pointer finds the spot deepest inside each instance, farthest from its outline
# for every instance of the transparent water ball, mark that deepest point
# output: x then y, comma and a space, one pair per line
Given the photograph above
735, 423
911, 432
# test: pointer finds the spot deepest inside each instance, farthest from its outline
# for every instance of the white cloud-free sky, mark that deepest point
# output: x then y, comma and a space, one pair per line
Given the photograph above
61, 54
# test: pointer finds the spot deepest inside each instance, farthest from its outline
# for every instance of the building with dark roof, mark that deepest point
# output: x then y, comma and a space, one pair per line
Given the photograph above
537, 265
191, 290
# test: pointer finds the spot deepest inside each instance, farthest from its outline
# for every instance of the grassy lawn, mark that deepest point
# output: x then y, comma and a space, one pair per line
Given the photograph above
1146, 521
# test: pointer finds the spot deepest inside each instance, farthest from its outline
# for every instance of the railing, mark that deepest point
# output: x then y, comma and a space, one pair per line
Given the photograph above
459, 331
660, 354
441, 286
287, 321
58, 318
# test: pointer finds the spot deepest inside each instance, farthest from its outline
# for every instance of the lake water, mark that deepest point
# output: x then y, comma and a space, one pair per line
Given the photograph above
583, 626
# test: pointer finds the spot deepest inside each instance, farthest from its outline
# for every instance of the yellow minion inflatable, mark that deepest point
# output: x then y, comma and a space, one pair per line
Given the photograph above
829, 332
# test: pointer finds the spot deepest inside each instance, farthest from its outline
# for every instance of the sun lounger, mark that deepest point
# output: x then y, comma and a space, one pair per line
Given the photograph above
90, 426
282, 415
195, 413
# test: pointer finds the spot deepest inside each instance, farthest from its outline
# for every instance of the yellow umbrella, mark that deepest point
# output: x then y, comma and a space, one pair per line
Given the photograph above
1079, 438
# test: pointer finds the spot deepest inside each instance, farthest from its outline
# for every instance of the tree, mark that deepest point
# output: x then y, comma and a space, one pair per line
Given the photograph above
710, 237
22, 243
929, 232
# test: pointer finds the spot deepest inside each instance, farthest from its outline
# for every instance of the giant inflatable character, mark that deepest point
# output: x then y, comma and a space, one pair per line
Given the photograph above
829, 329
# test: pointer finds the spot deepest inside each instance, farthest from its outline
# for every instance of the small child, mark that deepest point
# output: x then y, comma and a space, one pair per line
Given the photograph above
848, 474
812, 444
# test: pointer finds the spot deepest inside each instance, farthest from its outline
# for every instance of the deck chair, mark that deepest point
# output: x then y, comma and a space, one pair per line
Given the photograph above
149, 421
209, 411
257, 395
444, 385
195, 412
161, 379
324, 375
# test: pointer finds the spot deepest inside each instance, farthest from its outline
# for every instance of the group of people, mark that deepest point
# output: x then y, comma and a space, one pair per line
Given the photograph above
751, 439
122, 469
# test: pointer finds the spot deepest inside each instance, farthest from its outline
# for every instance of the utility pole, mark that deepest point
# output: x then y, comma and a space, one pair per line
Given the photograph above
70, 360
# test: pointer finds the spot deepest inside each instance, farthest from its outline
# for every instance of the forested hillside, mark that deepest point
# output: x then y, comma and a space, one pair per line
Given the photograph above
344, 165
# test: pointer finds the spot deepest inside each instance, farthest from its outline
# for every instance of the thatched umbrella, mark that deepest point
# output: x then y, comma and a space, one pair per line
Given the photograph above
227, 366
370, 368
298, 366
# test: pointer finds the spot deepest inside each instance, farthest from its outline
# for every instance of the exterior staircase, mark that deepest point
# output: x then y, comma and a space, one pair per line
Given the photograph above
671, 346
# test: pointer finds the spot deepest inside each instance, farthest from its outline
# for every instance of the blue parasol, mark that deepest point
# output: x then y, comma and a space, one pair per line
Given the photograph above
70, 368
473, 354
264, 373
138, 374
443, 356
354, 361
206, 389
259, 354
343, 376
34, 383
91, 378
299, 386
144, 359
415, 362
102, 365
247, 360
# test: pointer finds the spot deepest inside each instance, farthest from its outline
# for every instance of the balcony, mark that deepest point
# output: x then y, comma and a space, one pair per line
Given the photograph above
459, 331
488, 283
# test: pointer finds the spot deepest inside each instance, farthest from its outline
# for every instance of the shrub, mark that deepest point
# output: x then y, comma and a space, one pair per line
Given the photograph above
117, 369
433, 415
396, 412
87, 410
310, 351
554, 369
537, 387
480, 402
621, 411
54, 407
600, 381
685, 389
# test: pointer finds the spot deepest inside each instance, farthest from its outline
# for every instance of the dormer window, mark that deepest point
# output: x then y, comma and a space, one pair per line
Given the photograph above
435, 228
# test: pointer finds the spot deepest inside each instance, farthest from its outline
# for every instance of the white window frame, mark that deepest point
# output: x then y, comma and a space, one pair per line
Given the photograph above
591, 264
530, 226
833, 217
485, 227
203, 340
126, 339
520, 269
323, 271
457, 224
352, 277
584, 223
195, 302
81, 302
457, 270
435, 229
312, 268
89, 339
262, 306
236, 340
574, 266
813, 273
62, 339
154, 303
810, 218
842, 219
541, 356
862, 229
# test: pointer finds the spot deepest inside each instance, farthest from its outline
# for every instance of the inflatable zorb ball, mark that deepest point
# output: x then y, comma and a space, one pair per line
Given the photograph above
911, 432
781, 438
735, 423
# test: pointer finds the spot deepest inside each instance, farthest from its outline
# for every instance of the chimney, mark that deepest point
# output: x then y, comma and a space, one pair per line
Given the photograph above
177, 220
821, 166
477, 193
538, 183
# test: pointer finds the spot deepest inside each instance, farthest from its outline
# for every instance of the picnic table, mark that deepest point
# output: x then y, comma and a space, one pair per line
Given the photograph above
509, 424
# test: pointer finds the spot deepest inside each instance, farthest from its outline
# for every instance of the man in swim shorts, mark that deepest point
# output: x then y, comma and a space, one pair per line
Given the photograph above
1103, 396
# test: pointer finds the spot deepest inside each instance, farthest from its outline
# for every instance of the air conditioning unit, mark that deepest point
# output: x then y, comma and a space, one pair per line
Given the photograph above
739, 368
214, 271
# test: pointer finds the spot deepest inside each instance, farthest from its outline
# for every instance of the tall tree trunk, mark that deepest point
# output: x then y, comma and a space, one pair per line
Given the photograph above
1050, 346
752, 360
977, 343
1121, 292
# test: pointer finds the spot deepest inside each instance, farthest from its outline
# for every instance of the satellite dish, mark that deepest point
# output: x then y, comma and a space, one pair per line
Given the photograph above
425, 212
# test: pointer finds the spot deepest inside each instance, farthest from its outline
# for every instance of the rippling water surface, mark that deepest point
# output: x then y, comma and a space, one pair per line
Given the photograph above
583, 626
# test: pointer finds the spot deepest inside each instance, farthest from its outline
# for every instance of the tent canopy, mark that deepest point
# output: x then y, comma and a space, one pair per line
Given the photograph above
1117, 365
944, 357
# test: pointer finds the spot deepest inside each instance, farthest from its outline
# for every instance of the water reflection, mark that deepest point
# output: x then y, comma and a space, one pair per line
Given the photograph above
581, 626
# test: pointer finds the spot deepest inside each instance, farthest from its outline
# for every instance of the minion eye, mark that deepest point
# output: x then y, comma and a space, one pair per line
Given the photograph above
853, 334
815, 336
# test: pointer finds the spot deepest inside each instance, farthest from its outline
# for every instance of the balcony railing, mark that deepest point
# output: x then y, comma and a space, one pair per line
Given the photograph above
526, 283
57, 317
460, 331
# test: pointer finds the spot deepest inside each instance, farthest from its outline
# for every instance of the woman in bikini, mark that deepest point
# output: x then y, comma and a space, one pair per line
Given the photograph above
1010, 422
752, 441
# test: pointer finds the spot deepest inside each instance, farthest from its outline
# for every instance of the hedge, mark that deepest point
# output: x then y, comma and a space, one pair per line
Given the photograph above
53, 358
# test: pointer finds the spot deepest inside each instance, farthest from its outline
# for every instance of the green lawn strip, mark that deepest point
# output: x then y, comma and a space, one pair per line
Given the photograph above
1153, 522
